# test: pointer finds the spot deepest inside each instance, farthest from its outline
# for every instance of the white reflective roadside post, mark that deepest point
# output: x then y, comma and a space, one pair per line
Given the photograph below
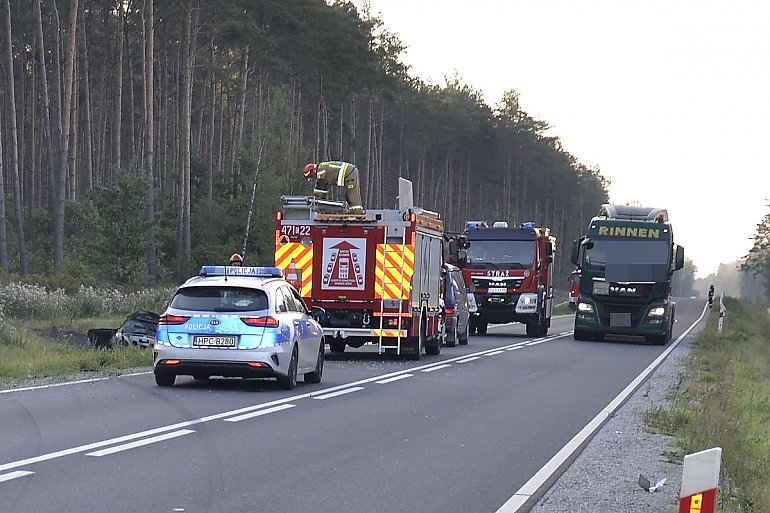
722, 314
700, 480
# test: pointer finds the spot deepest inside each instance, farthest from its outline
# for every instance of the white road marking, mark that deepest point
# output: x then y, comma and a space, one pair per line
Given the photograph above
536, 342
259, 413
14, 475
394, 378
338, 393
140, 443
163, 429
52, 385
514, 348
493, 353
438, 367
531, 487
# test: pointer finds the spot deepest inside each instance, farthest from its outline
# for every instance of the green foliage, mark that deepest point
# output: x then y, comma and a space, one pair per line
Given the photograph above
757, 262
723, 401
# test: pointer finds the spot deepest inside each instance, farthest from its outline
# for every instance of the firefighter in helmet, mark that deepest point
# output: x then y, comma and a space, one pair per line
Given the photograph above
236, 260
342, 174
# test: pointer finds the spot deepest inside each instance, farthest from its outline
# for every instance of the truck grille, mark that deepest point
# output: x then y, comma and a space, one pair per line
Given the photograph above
605, 310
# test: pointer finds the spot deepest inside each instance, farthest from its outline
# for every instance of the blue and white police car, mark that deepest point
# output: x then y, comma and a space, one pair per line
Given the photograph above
243, 322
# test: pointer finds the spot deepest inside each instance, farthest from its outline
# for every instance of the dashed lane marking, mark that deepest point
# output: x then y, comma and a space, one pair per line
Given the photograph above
493, 353
140, 443
259, 413
14, 475
466, 360
338, 393
394, 378
438, 367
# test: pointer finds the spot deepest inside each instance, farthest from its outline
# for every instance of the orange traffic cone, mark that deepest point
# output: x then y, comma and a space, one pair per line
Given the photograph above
292, 276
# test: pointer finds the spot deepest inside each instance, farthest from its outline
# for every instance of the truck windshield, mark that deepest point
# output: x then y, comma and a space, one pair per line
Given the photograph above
624, 260
501, 254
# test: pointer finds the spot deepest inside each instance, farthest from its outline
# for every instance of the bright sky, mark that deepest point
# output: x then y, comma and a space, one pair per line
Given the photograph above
670, 98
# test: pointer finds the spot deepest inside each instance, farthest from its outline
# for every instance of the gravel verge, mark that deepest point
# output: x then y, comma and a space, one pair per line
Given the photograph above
604, 478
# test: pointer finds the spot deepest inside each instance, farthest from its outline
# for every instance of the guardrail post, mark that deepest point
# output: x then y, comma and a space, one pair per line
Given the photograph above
700, 479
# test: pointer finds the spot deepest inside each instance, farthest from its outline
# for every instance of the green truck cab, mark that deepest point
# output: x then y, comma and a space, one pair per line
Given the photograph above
627, 258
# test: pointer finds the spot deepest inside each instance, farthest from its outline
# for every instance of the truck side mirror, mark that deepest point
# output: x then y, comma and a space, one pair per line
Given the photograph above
454, 247
679, 258
573, 254
549, 249
462, 258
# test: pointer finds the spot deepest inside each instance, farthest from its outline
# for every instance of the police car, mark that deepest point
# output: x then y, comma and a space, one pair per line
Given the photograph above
243, 322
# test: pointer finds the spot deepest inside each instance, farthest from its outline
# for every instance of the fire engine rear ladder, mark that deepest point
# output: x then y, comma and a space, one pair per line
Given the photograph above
400, 253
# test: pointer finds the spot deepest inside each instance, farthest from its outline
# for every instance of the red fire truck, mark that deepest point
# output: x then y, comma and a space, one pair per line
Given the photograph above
510, 272
376, 275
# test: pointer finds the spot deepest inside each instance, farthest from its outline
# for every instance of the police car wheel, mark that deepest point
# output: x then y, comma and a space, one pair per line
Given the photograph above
289, 381
164, 379
315, 376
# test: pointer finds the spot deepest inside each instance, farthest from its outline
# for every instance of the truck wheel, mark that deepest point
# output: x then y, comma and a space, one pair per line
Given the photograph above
532, 330
432, 344
462, 338
543, 330
658, 340
481, 327
337, 346
581, 335
418, 343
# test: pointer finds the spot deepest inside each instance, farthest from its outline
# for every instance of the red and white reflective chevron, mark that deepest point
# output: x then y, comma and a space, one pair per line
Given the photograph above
700, 480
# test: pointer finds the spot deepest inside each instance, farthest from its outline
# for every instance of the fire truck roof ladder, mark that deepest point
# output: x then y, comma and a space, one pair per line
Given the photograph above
387, 283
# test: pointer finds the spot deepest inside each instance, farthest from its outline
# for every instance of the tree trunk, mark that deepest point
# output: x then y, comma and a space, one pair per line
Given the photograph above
88, 135
185, 60
3, 234
211, 129
149, 116
10, 96
61, 178
239, 122
117, 121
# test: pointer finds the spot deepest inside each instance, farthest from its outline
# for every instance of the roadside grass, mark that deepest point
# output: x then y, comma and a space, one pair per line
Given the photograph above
25, 355
43, 332
723, 400
562, 309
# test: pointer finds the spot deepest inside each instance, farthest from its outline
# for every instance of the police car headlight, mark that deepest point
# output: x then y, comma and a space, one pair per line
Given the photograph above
585, 307
658, 311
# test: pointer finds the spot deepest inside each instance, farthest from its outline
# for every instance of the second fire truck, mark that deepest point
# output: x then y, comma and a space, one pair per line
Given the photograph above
510, 271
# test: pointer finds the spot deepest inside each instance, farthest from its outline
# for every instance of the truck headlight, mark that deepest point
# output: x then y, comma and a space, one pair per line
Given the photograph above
528, 300
585, 307
658, 311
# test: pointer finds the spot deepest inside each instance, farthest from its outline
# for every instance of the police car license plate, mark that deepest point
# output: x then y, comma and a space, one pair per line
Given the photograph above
497, 290
214, 341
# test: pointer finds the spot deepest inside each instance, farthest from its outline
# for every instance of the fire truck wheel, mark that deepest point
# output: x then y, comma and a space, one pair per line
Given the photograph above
337, 346
315, 376
481, 328
289, 381
418, 342
462, 338
532, 330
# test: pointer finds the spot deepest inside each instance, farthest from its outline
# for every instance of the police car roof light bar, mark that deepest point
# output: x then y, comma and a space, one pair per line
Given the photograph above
252, 272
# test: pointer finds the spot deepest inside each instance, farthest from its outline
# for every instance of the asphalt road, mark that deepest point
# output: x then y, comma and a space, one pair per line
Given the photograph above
459, 432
